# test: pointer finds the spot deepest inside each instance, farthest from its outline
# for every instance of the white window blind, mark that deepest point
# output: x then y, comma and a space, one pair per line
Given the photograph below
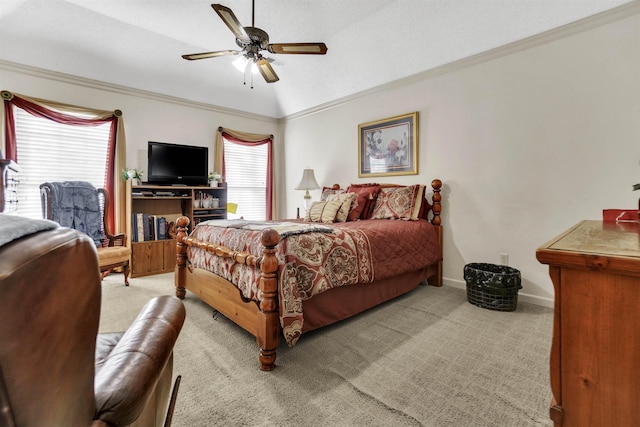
246, 177
49, 151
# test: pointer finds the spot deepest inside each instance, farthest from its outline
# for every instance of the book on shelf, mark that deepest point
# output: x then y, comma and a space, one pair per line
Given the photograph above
162, 228
140, 229
134, 227
147, 227
153, 219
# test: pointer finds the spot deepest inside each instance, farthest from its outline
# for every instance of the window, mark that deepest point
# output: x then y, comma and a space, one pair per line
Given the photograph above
50, 151
246, 177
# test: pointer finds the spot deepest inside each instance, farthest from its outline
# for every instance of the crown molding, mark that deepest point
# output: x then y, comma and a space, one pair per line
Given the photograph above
124, 90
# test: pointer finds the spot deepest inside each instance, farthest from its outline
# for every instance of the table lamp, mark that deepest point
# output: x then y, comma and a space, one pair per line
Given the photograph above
308, 182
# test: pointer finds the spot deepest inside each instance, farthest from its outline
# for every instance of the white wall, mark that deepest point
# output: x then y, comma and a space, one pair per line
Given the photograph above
147, 117
527, 144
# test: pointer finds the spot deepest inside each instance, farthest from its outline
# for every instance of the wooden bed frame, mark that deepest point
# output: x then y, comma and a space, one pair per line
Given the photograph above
260, 319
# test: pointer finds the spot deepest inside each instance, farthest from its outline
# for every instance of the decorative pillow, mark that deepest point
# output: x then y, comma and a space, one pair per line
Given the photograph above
399, 203
328, 191
323, 211
346, 200
425, 207
357, 207
367, 194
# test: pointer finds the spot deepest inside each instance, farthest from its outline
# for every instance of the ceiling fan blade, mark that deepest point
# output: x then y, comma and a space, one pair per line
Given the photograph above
205, 55
274, 61
232, 22
298, 48
267, 72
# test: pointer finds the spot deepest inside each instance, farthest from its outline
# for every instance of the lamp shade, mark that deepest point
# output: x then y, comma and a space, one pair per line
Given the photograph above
308, 181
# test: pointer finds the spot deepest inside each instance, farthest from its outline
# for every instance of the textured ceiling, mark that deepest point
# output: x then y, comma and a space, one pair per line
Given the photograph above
139, 43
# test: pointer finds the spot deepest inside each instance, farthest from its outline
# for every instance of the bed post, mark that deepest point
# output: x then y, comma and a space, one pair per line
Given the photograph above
268, 328
181, 256
436, 184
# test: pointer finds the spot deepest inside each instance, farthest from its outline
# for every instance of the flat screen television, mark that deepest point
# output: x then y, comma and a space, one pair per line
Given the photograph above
175, 164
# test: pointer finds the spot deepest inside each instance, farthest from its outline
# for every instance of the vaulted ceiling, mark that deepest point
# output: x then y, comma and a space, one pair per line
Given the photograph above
139, 43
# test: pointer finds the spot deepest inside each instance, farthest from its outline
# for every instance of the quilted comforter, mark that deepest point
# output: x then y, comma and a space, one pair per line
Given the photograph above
311, 262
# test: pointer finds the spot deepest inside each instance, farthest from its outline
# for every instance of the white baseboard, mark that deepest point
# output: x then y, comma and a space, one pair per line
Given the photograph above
524, 297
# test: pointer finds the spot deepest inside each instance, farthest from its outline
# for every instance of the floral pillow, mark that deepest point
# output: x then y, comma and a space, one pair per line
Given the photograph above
330, 191
399, 203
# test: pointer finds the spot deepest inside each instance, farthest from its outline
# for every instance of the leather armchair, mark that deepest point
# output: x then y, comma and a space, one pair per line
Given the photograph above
55, 369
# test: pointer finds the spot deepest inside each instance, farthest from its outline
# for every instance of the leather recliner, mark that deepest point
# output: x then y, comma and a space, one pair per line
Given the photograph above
55, 369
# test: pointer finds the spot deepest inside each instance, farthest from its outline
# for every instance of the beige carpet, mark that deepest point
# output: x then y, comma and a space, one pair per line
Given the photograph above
428, 358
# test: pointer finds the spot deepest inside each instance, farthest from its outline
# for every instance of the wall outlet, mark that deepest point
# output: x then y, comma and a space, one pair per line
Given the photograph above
504, 259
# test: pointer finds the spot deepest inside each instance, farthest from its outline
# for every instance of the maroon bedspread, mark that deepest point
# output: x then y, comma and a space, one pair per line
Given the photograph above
312, 262
398, 246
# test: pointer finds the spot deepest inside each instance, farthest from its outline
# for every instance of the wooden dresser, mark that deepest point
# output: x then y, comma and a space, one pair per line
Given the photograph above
595, 352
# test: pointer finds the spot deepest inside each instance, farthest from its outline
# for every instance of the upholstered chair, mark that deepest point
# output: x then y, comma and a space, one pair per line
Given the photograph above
55, 369
79, 205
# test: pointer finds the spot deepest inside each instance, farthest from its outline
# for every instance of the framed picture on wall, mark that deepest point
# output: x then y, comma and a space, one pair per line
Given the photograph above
388, 147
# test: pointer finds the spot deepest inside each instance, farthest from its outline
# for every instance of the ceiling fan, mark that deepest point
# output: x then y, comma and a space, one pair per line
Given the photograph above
253, 41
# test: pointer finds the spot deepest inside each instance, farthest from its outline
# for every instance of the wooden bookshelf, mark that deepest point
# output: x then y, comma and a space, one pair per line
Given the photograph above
158, 256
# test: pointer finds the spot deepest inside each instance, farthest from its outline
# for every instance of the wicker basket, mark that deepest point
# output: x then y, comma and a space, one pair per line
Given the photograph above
494, 287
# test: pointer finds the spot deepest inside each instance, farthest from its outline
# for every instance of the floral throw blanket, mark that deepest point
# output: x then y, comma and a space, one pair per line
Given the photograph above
312, 258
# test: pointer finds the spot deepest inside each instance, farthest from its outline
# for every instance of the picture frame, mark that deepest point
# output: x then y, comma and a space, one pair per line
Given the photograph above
388, 147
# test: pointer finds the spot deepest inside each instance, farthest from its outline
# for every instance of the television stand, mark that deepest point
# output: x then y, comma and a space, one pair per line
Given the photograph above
150, 256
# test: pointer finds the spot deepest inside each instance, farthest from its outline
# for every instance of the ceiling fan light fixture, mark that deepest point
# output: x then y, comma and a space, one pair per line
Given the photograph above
242, 63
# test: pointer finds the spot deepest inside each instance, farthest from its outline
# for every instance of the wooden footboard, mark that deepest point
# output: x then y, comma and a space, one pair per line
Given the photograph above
261, 320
